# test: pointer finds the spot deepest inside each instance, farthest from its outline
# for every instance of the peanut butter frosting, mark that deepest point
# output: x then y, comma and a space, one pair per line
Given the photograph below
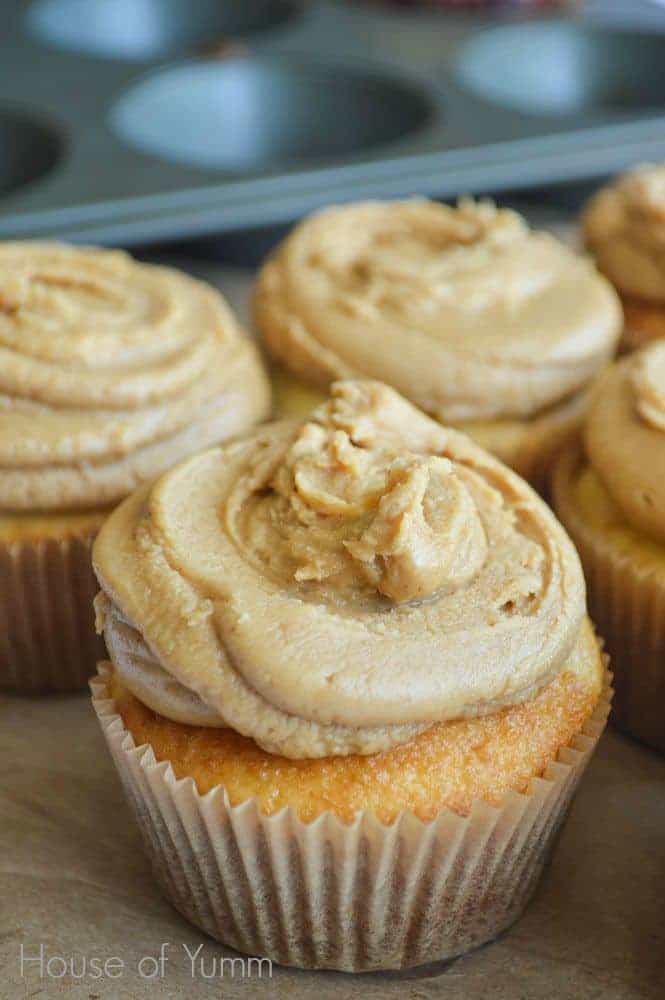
624, 227
338, 585
466, 311
111, 370
625, 437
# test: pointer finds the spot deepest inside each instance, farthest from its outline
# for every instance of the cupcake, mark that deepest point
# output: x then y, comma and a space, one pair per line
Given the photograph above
624, 229
482, 323
610, 494
110, 371
352, 685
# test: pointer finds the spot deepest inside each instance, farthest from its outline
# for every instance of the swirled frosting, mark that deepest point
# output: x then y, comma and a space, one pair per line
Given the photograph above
110, 371
464, 310
338, 585
625, 437
624, 227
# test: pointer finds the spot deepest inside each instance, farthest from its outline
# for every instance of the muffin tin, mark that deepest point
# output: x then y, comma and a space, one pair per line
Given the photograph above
137, 120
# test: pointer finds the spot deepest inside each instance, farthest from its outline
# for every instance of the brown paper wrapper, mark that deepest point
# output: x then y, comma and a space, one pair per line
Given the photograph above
627, 605
48, 641
356, 897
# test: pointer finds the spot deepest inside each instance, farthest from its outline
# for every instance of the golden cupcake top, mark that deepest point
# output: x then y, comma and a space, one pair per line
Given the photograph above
466, 311
111, 370
625, 437
338, 585
624, 227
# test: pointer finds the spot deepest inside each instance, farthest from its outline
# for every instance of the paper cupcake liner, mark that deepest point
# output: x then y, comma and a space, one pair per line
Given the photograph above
47, 632
355, 897
627, 605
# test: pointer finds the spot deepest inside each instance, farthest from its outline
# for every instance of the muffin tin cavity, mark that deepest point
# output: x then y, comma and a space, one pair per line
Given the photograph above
151, 29
560, 68
251, 114
29, 148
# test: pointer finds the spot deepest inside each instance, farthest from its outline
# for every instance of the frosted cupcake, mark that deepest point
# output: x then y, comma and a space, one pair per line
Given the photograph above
610, 494
483, 323
110, 371
353, 685
624, 229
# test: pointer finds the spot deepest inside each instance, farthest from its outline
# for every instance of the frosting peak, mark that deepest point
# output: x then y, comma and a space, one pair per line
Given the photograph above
404, 525
426, 535
337, 586
111, 370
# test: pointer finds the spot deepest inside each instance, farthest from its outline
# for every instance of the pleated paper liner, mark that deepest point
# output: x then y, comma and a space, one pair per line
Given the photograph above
627, 604
355, 897
48, 642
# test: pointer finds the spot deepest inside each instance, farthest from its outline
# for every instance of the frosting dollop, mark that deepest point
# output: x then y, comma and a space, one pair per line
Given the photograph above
111, 370
365, 519
338, 585
624, 227
466, 311
625, 437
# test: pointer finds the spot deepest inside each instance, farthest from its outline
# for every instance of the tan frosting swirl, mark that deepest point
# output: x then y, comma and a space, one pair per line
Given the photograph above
625, 437
624, 227
111, 370
337, 586
464, 310
364, 519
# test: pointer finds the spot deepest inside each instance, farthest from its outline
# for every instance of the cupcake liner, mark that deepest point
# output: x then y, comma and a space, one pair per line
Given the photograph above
48, 641
627, 603
355, 897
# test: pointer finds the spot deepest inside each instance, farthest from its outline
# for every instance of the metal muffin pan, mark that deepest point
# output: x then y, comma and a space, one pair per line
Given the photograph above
29, 149
259, 113
129, 121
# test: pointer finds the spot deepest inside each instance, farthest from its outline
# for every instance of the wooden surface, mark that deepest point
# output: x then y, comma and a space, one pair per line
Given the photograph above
73, 879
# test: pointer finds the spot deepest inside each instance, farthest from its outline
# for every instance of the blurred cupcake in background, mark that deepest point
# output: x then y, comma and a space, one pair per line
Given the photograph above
624, 229
487, 325
610, 495
110, 371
